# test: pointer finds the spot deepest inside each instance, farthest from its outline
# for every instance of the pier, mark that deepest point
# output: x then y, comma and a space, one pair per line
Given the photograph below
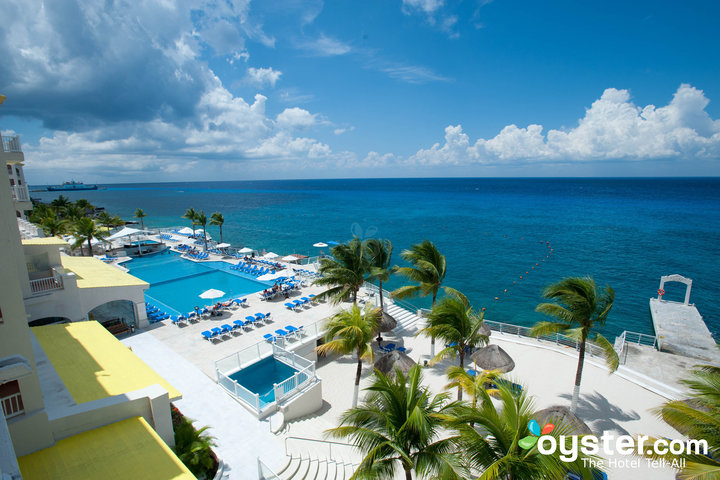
679, 327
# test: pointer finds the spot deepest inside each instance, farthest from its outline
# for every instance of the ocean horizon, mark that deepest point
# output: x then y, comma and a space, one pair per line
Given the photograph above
502, 237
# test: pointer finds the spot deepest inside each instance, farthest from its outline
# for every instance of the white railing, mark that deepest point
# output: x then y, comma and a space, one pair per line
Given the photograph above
339, 452
240, 392
265, 472
294, 384
11, 144
12, 405
387, 295
47, 284
633, 338
232, 363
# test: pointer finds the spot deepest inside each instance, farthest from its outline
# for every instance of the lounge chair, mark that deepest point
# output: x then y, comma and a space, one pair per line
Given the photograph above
388, 347
217, 331
250, 319
269, 337
259, 317
208, 335
290, 306
281, 332
238, 324
226, 328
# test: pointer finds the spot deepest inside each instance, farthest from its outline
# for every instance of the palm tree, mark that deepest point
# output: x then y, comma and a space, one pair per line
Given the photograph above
53, 226
73, 212
60, 203
428, 270
202, 220
218, 219
191, 214
194, 448
116, 221
400, 424
471, 384
84, 205
345, 272
698, 418
579, 308
105, 219
500, 444
453, 321
141, 215
378, 254
85, 229
351, 331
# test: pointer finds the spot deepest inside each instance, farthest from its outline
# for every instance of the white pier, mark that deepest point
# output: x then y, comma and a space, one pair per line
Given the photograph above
680, 328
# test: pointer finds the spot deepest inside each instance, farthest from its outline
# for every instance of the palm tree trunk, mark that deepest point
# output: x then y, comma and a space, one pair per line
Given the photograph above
578, 377
462, 365
221, 241
204, 239
432, 339
355, 292
381, 295
408, 472
90, 247
357, 381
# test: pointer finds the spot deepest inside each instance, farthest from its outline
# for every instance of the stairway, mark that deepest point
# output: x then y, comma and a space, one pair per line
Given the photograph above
310, 468
408, 322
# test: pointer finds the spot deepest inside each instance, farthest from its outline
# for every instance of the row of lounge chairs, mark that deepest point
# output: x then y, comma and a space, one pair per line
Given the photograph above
390, 347
251, 269
298, 305
198, 256
306, 273
238, 325
167, 236
288, 332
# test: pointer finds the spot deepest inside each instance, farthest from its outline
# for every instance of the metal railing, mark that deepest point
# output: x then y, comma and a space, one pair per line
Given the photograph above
47, 284
20, 193
11, 144
337, 451
386, 295
633, 338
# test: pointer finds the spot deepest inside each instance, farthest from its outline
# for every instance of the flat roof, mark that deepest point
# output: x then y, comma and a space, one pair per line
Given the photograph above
94, 273
45, 241
93, 364
126, 449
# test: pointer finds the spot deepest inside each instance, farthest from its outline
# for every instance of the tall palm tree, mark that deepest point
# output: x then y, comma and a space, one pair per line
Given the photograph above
453, 321
141, 215
60, 203
53, 226
84, 205
698, 418
344, 272
490, 440
399, 424
191, 214
116, 221
105, 219
218, 219
379, 255
428, 270
85, 229
73, 212
579, 308
351, 331
471, 384
202, 220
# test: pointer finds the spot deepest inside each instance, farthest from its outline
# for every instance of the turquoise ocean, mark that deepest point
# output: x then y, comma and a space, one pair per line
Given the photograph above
626, 233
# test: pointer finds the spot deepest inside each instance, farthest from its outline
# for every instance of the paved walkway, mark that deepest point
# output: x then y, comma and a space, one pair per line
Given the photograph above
240, 437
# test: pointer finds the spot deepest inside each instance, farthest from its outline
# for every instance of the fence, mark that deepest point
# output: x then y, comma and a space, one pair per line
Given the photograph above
633, 338
386, 294
337, 451
47, 284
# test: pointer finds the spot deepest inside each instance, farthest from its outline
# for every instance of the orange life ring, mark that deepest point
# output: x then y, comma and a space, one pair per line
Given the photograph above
661, 292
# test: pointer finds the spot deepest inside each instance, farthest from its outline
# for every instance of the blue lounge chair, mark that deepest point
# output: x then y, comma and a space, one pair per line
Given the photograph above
281, 332
216, 331
269, 337
267, 316
226, 328
401, 349
290, 306
208, 335
388, 347
305, 300
175, 319
250, 320
238, 324
291, 330
259, 316
472, 373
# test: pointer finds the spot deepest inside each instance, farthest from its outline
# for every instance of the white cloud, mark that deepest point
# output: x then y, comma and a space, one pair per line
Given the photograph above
340, 131
412, 73
426, 6
260, 77
295, 118
613, 128
325, 46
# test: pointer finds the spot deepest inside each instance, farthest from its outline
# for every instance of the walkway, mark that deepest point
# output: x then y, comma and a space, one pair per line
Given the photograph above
240, 437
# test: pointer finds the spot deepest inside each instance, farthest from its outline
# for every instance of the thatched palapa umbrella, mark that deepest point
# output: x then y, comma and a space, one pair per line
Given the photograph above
559, 415
485, 330
388, 362
493, 357
386, 324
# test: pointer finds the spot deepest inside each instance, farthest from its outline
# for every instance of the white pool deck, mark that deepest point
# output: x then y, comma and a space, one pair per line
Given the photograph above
618, 403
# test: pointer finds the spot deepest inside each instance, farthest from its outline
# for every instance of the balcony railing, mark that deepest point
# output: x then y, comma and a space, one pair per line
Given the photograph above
20, 193
46, 284
11, 144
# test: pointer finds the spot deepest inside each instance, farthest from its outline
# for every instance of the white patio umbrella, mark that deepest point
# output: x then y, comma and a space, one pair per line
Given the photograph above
320, 245
273, 276
246, 250
212, 293
185, 231
290, 258
271, 256
222, 245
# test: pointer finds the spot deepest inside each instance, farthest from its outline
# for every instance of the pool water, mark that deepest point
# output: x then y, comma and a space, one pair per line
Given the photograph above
176, 283
260, 377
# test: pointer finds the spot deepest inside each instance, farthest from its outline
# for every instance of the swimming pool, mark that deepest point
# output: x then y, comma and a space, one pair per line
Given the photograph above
176, 283
260, 377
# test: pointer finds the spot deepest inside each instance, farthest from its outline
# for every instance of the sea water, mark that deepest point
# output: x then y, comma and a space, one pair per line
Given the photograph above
626, 233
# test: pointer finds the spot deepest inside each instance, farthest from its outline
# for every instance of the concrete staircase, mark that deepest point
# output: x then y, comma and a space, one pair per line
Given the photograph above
309, 468
408, 322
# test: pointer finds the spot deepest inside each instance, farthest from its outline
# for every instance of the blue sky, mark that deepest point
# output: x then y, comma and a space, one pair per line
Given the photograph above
112, 91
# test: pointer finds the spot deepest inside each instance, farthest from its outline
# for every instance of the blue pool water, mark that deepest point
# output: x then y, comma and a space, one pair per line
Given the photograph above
260, 377
176, 283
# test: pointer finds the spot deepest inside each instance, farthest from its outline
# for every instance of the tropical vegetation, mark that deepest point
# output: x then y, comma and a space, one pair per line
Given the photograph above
351, 331
141, 215
202, 221
193, 447
400, 424
378, 254
218, 220
344, 272
86, 230
455, 322
579, 308
191, 214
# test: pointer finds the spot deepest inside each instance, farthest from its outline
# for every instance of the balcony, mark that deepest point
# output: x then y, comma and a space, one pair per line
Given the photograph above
11, 144
20, 192
53, 281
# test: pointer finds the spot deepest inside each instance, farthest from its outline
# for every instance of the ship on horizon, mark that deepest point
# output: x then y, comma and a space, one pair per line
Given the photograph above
71, 186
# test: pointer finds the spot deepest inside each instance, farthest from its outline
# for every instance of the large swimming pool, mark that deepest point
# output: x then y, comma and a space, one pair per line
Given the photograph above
260, 378
176, 283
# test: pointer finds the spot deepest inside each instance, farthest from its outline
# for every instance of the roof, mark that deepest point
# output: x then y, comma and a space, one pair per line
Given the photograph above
94, 273
126, 449
45, 241
93, 364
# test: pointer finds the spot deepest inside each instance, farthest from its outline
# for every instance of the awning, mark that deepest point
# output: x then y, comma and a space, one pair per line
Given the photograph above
125, 232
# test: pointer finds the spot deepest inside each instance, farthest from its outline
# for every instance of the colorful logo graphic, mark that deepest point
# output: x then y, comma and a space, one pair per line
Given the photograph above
528, 442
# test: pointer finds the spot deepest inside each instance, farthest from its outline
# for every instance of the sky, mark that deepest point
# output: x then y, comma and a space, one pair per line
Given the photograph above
117, 91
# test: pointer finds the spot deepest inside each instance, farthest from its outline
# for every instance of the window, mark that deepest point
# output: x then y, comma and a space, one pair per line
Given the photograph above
11, 399
9, 169
17, 171
12, 182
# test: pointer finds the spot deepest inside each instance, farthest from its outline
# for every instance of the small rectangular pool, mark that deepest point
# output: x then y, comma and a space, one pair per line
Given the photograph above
261, 376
